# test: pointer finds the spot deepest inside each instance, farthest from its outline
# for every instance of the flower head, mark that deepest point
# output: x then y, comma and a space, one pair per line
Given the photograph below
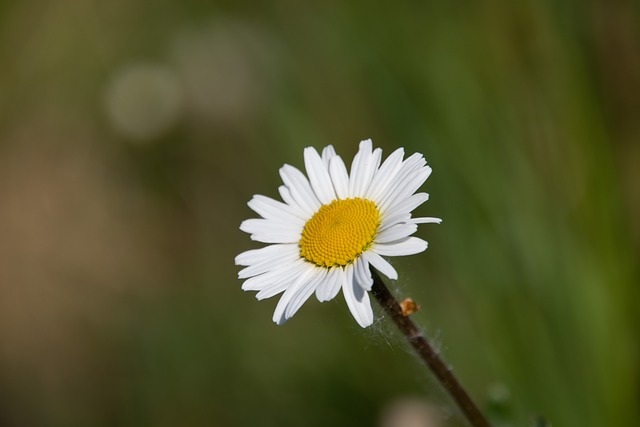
332, 226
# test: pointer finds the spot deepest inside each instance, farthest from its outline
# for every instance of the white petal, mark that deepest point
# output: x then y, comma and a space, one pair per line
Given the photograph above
380, 264
411, 202
410, 166
385, 175
274, 237
303, 279
300, 189
303, 294
269, 231
289, 200
411, 184
254, 256
408, 246
355, 165
269, 208
270, 263
357, 299
318, 176
362, 169
391, 220
369, 172
279, 282
339, 176
329, 288
281, 274
426, 220
277, 286
261, 225
396, 232
362, 274
401, 181
327, 153
257, 283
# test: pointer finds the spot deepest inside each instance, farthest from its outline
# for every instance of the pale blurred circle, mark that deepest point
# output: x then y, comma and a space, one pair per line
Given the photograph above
143, 101
411, 412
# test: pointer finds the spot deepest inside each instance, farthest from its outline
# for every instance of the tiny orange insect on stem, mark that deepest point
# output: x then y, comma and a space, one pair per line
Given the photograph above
409, 307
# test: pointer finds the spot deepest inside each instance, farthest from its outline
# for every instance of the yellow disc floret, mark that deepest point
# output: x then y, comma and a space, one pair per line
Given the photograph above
339, 232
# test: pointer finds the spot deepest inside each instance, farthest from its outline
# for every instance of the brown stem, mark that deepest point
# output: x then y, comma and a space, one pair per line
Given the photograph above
427, 352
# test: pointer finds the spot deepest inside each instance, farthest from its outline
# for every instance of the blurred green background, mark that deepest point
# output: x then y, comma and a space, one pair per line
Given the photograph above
133, 133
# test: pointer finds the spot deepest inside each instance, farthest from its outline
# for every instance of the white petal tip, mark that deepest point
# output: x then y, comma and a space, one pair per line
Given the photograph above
366, 145
322, 298
365, 323
280, 321
426, 220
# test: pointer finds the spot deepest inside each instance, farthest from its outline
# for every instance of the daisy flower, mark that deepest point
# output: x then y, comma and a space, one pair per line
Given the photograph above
332, 226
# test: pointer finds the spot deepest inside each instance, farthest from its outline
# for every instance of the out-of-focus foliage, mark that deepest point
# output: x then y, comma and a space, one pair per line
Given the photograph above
132, 134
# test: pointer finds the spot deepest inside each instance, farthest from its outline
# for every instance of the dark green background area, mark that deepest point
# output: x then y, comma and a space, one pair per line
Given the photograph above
120, 201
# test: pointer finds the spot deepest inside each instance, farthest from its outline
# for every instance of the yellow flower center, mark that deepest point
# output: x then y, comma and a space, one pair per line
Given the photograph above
339, 232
